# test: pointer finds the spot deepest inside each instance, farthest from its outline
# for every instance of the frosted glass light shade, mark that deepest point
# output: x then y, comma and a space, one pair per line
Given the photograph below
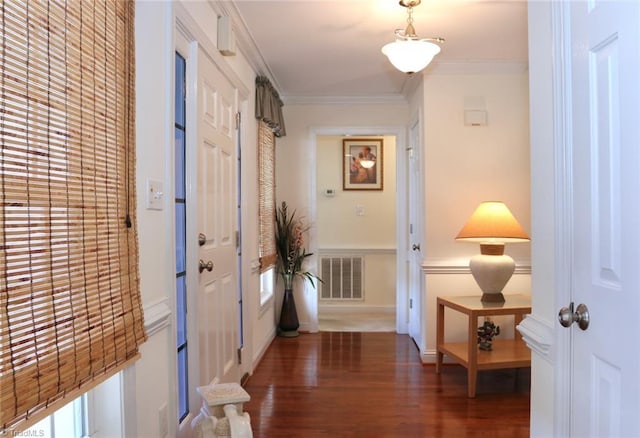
410, 56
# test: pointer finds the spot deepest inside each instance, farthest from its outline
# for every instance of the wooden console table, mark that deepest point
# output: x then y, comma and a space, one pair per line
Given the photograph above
506, 353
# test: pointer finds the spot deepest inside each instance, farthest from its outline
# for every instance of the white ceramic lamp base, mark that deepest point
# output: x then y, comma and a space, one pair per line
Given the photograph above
492, 272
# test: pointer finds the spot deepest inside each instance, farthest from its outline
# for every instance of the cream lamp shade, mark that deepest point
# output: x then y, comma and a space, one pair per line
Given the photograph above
492, 225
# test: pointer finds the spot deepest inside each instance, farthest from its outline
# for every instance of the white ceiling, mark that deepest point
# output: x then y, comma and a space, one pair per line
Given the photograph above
319, 49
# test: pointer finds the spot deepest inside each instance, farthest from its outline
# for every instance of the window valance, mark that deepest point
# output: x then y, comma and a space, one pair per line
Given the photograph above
269, 106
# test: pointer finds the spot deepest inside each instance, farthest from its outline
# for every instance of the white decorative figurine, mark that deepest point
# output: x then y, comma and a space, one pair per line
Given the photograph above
221, 413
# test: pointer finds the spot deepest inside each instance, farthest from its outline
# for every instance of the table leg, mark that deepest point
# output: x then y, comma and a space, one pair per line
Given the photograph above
439, 336
517, 319
472, 366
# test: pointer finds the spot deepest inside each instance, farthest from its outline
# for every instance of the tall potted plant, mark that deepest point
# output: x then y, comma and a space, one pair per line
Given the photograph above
291, 255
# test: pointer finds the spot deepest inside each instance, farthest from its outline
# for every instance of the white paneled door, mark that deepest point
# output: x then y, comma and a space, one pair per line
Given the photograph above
605, 72
217, 301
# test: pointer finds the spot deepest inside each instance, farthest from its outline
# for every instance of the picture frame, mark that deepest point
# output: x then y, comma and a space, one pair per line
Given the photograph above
358, 171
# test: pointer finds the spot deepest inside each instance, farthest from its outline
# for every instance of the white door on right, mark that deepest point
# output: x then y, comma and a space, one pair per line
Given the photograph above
605, 131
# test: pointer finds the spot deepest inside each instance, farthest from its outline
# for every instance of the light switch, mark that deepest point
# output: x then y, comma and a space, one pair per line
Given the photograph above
359, 210
155, 194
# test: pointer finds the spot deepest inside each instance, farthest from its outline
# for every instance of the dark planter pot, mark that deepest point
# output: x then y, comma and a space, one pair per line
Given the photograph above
288, 325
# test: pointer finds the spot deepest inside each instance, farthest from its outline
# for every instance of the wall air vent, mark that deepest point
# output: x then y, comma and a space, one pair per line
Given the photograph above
343, 277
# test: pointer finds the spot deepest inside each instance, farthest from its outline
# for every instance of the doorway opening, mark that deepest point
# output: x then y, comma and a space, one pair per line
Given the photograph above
356, 237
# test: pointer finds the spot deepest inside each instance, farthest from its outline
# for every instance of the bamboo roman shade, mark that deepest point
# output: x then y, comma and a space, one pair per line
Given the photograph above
266, 196
70, 309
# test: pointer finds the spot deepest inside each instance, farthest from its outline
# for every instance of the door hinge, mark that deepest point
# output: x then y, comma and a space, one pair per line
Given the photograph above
237, 239
238, 120
410, 303
239, 356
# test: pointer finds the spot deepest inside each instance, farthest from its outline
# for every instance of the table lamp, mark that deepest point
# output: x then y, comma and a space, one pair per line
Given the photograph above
492, 225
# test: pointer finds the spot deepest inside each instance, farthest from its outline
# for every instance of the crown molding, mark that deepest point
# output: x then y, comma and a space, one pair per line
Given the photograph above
411, 83
477, 67
344, 100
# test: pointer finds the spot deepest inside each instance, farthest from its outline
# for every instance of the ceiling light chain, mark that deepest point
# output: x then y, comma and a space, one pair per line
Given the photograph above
410, 31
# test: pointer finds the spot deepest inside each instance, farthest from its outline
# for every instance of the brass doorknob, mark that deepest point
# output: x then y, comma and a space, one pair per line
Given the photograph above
202, 266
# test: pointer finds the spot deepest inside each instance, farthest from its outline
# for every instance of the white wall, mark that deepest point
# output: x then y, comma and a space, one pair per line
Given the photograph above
338, 224
154, 374
296, 183
544, 244
372, 234
464, 165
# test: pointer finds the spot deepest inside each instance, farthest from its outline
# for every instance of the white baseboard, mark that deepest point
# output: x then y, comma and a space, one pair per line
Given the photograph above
428, 356
262, 349
307, 328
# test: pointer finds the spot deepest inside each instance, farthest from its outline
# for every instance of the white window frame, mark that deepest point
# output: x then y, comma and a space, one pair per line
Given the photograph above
96, 413
267, 286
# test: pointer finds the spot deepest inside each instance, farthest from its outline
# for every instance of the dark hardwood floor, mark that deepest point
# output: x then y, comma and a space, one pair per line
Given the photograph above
338, 384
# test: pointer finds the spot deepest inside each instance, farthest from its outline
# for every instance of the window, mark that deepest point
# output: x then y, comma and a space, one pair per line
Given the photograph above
181, 239
267, 282
66, 422
95, 413
266, 210
70, 309
270, 126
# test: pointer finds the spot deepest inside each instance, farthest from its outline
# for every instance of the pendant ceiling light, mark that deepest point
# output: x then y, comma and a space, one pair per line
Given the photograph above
409, 53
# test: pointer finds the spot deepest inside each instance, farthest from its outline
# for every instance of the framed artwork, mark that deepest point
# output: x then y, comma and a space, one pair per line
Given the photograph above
362, 164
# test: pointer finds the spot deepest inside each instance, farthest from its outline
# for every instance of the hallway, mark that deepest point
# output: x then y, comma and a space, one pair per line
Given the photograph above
357, 321
333, 384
